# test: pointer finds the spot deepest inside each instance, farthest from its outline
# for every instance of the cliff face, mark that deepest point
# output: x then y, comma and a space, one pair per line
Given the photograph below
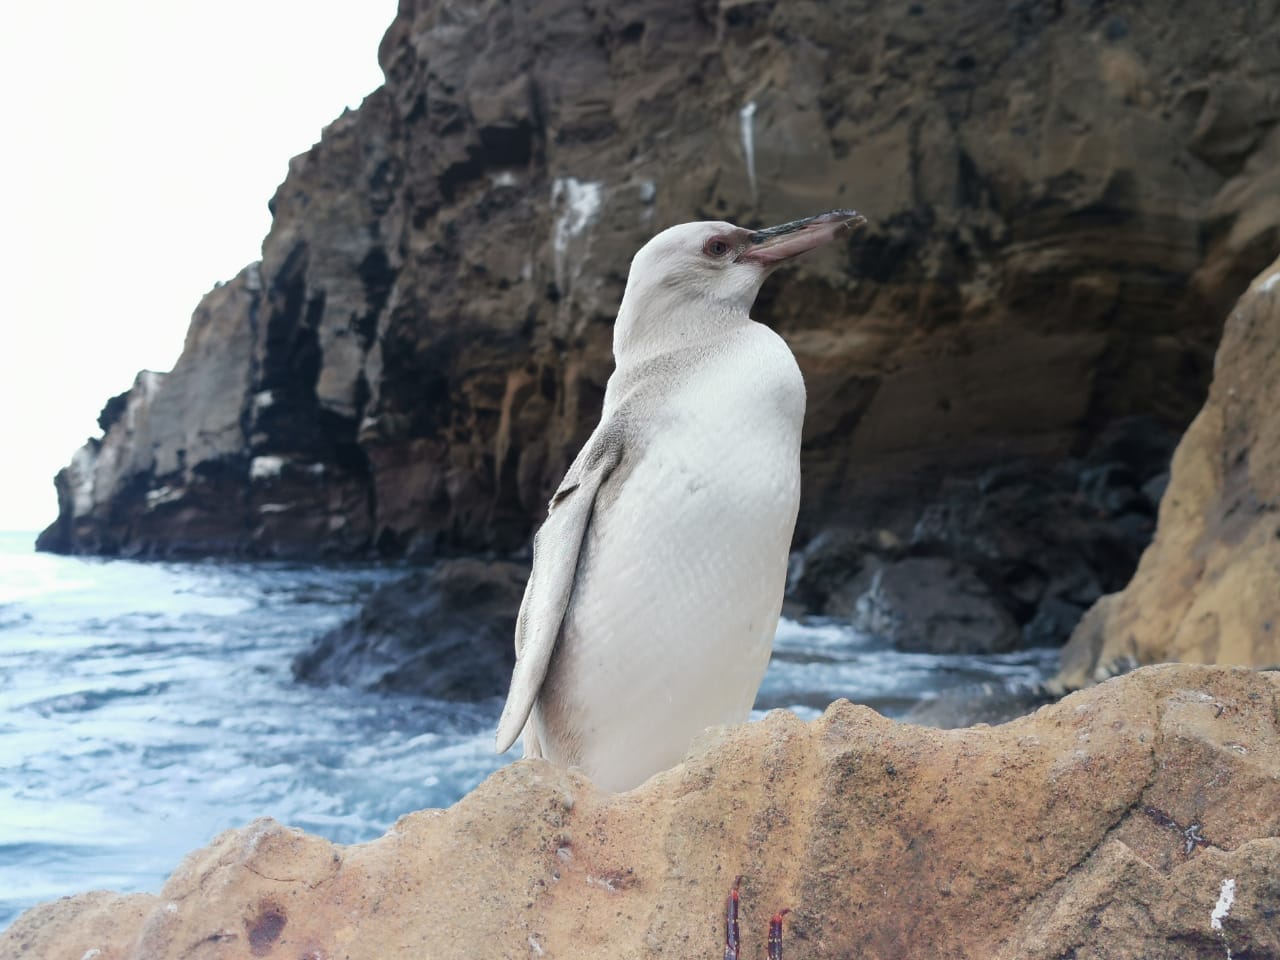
1137, 819
1064, 199
1208, 588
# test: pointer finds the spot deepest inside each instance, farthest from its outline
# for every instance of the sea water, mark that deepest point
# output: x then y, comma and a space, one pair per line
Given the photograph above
146, 707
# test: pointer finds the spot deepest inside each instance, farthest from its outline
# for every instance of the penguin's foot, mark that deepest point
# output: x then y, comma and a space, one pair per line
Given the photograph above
731, 927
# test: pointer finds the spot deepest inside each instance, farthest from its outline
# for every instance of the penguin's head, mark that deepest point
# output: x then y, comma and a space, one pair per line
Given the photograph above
715, 269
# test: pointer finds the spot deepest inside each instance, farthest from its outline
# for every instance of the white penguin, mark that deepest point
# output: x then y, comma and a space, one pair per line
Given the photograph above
658, 575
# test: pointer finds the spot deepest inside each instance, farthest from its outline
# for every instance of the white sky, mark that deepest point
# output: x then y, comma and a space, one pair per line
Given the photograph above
141, 140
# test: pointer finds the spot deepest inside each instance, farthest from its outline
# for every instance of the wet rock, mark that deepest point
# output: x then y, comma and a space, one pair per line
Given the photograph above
934, 605
1010, 558
1106, 825
1208, 587
444, 633
972, 704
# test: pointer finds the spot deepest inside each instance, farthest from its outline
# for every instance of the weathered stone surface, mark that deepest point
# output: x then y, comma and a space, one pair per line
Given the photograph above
1102, 826
1207, 590
1063, 198
443, 633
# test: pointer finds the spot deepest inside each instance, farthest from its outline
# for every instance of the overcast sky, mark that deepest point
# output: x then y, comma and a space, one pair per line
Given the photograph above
142, 140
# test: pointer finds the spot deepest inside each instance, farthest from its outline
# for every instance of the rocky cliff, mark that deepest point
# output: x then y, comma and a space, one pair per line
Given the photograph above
1208, 588
1137, 819
1065, 198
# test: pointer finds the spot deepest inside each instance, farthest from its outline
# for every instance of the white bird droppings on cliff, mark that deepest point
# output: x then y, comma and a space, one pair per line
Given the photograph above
260, 468
162, 495
747, 123
1222, 909
1269, 283
579, 202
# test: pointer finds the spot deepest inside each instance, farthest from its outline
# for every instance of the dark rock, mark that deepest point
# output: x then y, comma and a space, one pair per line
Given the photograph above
1012, 557
444, 633
424, 345
1154, 489
1142, 444
1113, 488
836, 567
934, 605
1054, 619
112, 410
987, 703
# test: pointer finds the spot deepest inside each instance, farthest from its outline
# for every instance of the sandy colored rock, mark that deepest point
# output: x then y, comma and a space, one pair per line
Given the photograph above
1207, 590
1064, 199
1102, 826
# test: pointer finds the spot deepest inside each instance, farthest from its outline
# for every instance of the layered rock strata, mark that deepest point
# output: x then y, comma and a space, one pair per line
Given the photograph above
1139, 818
1064, 198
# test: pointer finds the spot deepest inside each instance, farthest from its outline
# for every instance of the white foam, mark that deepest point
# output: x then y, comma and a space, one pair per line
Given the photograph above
747, 122
263, 399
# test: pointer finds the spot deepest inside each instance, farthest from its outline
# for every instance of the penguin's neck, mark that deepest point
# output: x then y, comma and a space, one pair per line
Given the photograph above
666, 321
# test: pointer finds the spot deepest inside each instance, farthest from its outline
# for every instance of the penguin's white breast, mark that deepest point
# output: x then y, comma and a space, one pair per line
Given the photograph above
681, 580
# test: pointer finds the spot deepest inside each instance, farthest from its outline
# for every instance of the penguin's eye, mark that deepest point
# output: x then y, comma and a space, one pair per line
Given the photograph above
716, 247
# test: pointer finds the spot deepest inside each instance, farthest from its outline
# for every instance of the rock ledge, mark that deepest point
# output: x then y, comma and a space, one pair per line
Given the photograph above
1138, 818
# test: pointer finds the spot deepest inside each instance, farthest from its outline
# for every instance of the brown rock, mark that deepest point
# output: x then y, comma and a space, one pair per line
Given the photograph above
1103, 826
1207, 590
1062, 196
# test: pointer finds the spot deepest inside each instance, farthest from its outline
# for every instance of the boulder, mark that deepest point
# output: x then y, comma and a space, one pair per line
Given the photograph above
934, 605
444, 633
1207, 589
1139, 818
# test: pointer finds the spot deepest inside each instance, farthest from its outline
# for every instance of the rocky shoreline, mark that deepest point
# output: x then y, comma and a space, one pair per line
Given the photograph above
1065, 200
1136, 819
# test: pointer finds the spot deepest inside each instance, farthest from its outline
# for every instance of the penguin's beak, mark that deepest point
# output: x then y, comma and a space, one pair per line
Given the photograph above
770, 247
